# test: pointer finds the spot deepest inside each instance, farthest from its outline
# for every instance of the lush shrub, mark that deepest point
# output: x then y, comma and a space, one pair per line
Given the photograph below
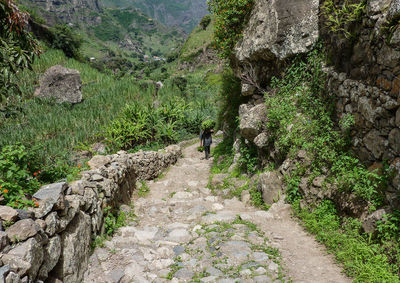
299, 117
180, 82
67, 40
18, 176
205, 21
230, 19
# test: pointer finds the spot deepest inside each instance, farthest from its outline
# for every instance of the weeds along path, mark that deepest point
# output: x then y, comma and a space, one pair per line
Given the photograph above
184, 233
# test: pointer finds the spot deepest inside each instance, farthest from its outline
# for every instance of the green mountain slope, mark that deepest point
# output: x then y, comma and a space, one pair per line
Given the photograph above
110, 32
183, 13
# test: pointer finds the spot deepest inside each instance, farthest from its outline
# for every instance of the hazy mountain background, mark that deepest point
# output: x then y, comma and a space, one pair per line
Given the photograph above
182, 13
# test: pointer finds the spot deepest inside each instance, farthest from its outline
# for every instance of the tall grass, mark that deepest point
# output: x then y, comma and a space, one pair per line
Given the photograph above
56, 130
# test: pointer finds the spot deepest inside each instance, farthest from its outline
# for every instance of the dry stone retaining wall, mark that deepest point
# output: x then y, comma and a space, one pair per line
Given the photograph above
52, 241
363, 77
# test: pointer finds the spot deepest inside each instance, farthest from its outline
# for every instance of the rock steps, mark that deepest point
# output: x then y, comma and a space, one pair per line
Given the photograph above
185, 233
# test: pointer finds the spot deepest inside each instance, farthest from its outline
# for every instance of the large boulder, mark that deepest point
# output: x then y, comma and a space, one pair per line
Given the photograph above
252, 120
279, 29
61, 84
270, 184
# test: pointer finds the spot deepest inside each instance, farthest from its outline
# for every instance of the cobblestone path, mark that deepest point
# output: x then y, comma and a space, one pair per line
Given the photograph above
184, 233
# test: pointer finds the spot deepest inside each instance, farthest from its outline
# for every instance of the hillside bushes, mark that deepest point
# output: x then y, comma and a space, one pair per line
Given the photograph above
230, 19
141, 124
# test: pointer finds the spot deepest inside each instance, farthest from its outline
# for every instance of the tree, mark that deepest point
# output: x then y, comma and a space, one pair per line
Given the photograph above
18, 48
205, 21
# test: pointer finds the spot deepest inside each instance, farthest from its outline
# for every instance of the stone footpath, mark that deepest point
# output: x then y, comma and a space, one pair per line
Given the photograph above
184, 233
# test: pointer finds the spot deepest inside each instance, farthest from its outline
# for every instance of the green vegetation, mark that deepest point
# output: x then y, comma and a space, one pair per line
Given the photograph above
18, 176
143, 190
67, 40
18, 49
230, 19
299, 117
339, 17
208, 125
363, 259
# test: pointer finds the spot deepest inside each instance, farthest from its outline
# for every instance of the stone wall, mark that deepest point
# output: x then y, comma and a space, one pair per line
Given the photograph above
365, 79
363, 76
52, 241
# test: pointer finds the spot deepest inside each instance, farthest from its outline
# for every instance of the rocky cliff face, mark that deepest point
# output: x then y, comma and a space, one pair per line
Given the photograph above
363, 75
183, 13
68, 11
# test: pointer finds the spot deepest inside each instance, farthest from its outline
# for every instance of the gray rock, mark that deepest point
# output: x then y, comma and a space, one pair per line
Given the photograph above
24, 214
394, 140
97, 178
13, 278
261, 140
262, 279
99, 148
270, 184
31, 252
238, 250
22, 230
213, 271
61, 84
184, 273
375, 143
279, 29
16, 264
179, 235
51, 224
74, 258
252, 119
248, 90
319, 181
115, 275
179, 250
52, 252
8, 214
4, 271
4, 240
370, 222
98, 161
52, 196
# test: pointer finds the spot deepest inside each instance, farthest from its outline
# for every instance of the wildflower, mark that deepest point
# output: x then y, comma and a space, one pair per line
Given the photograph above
79, 166
34, 174
36, 204
5, 191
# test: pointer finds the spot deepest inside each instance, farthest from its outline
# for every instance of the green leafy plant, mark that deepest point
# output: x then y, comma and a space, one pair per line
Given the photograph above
208, 125
338, 17
18, 180
113, 220
230, 19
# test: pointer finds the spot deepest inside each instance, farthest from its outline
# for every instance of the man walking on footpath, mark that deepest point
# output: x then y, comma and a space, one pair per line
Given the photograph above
206, 136
206, 141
